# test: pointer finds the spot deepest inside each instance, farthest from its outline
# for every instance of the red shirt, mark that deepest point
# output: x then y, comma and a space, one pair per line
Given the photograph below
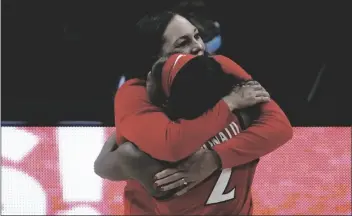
150, 129
226, 192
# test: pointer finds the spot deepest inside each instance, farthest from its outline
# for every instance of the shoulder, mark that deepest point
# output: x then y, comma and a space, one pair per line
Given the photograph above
129, 96
133, 83
223, 59
130, 87
231, 67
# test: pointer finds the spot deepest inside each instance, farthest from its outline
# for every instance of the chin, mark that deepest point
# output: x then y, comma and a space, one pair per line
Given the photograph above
201, 53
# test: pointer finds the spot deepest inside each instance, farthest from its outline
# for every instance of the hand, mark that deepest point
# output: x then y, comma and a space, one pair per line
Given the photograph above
188, 173
247, 95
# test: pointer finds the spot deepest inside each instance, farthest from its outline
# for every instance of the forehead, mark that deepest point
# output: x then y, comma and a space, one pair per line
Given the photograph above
178, 27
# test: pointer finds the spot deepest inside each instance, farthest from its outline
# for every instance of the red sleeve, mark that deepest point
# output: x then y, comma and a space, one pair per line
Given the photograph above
266, 134
151, 130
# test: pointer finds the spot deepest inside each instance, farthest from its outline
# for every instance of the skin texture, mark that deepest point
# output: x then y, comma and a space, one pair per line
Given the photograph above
181, 36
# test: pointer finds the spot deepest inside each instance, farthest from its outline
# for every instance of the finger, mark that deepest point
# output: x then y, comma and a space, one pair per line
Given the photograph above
251, 82
165, 173
173, 185
262, 94
262, 99
168, 180
185, 189
255, 87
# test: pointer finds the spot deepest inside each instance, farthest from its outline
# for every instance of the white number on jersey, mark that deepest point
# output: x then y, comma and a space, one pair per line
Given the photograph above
218, 194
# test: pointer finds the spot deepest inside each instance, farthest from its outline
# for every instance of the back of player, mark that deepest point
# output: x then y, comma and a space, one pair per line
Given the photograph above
192, 85
226, 192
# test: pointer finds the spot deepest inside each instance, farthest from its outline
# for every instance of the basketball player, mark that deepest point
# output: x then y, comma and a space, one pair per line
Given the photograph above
176, 35
171, 84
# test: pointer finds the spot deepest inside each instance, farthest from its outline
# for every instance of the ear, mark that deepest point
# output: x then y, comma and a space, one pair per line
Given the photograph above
156, 79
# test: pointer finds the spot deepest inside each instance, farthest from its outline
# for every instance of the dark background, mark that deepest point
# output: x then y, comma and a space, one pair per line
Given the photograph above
61, 59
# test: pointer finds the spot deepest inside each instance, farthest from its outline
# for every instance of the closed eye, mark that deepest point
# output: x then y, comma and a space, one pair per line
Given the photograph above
182, 44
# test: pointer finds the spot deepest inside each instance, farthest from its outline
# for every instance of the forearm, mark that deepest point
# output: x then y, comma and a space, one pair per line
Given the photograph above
266, 134
108, 164
247, 116
139, 166
269, 132
142, 123
157, 135
126, 161
108, 169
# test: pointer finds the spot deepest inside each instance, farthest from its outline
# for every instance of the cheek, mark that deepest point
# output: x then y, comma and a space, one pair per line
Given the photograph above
202, 43
149, 87
184, 50
150, 90
152, 94
168, 50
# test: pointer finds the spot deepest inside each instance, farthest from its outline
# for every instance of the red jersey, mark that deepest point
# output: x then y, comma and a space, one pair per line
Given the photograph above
150, 129
226, 192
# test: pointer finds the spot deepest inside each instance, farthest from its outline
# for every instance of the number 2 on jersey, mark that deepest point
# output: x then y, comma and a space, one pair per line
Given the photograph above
218, 194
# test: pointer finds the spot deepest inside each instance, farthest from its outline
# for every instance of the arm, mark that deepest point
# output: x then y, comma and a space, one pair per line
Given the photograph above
247, 116
266, 134
146, 125
122, 162
108, 163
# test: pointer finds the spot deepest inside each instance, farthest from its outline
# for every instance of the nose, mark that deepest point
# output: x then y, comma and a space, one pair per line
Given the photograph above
197, 49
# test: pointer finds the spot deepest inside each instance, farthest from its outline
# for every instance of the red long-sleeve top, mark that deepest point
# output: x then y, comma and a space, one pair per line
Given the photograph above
144, 124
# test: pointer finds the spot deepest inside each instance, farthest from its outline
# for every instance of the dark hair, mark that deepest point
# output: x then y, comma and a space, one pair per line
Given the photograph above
197, 87
160, 98
191, 8
199, 15
148, 38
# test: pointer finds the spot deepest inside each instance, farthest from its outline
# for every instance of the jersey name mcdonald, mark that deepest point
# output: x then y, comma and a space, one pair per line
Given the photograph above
227, 133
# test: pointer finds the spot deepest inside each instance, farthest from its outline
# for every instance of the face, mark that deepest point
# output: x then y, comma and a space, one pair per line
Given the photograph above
181, 36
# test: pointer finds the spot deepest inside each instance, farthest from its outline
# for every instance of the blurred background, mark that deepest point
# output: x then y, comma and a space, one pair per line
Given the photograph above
62, 62
60, 59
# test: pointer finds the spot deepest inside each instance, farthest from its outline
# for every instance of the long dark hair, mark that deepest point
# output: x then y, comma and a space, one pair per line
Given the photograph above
148, 39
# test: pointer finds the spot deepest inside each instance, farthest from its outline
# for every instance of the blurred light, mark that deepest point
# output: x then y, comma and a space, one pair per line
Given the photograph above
213, 45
